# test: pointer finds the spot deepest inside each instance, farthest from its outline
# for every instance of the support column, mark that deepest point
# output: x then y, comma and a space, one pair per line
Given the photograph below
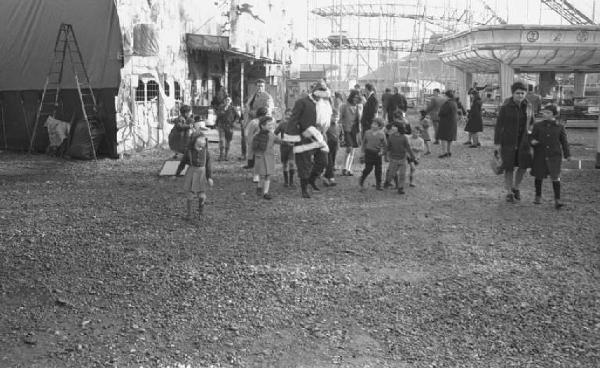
226, 77
579, 84
462, 87
598, 145
242, 104
507, 78
547, 81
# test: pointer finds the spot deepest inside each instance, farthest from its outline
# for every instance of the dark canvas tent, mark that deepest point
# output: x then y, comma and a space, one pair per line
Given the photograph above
28, 30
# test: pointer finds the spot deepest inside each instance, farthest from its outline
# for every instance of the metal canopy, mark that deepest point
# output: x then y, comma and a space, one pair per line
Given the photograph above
526, 48
333, 43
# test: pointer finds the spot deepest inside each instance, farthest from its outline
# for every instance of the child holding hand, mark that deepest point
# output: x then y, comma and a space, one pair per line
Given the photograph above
417, 145
549, 141
372, 149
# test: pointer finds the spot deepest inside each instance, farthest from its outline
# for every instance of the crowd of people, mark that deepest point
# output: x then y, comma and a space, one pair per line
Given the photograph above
321, 122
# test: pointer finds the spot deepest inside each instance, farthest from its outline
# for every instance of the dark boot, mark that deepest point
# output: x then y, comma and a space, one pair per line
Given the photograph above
304, 186
291, 177
396, 182
556, 187
312, 183
226, 158
286, 180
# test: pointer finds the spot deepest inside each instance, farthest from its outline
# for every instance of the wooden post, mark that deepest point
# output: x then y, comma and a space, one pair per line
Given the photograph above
226, 77
242, 87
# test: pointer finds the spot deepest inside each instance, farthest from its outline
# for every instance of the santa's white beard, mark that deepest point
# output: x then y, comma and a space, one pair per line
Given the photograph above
324, 113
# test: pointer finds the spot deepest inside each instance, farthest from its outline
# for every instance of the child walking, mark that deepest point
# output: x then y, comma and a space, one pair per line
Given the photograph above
417, 145
549, 141
286, 152
264, 155
425, 123
398, 150
199, 172
372, 148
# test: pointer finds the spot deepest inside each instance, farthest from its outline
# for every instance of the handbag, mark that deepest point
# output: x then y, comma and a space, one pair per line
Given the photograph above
496, 163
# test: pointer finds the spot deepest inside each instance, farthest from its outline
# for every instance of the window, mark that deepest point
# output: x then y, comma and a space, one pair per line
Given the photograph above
146, 92
177, 89
167, 88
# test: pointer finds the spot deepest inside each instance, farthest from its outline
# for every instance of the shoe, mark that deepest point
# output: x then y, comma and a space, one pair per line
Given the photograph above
427, 153
478, 144
468, 143
286, 185
349, 173
344, 172
517, 194
313, 185
401, 191
444, 155
449, 154
331, 183
267, 196
386, 185
436, 142
411, 185
305, 194
292, 186
537, 200
474, 146
558, 205
378, 187
510, 198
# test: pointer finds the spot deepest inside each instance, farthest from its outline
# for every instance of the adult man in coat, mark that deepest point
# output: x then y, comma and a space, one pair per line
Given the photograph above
397, 102
369, 111
433, 109
514, 123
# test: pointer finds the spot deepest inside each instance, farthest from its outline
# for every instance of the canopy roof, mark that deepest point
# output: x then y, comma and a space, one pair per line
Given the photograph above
527, 48
29, 29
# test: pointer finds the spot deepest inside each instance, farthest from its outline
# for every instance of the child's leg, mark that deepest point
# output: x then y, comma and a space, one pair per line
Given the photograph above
378, 171
292, 169
201, 201
411, 178
538, 191
427, 149
189, 201
556, 189
259, 184
366, 171
402, 173
266, 184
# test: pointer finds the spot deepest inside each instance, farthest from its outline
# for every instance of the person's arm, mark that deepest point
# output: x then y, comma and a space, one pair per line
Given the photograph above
208, 164
499, 127
564, 143
533, 137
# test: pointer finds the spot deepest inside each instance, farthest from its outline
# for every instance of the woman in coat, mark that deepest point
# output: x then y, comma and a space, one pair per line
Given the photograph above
474, 120
515, 120
448, 120
350, 123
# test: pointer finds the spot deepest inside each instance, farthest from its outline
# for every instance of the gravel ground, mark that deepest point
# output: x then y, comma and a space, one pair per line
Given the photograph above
98, 268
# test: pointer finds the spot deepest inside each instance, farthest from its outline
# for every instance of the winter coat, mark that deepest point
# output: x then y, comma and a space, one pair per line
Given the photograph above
369, 112
448, 120
511, 132
474, 120
433, 108
349, 118
397, 101
552, 146
264, 161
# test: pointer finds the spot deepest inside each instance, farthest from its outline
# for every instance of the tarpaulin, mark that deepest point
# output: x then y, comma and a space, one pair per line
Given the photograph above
198, 42
145, 40
28, 30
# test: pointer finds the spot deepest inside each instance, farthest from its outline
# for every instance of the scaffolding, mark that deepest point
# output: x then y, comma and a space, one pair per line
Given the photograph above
569, 12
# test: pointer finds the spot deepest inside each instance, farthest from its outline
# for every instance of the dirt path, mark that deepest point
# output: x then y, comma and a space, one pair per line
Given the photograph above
98, 269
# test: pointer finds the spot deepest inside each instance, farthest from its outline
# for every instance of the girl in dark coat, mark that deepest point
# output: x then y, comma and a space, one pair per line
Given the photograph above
515, 120
474, 120
448, 119
549, 141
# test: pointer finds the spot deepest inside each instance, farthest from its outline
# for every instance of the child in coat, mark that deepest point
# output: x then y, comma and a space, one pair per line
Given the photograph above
286, 151
425, 123
397, 152
264, 154
417, 145
372, 148
199, 172
549, 141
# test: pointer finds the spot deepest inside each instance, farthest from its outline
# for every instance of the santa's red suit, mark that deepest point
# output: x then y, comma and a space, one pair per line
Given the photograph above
306, 128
